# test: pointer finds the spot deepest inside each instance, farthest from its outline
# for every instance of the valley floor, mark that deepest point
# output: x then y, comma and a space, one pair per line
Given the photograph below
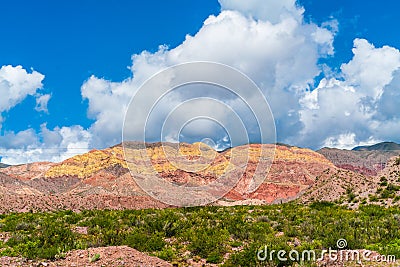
214, 236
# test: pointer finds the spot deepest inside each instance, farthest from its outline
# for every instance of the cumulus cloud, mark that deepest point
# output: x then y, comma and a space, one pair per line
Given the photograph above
266, 10
267, 40
371, 69
280, 52
347, 141
15, 85
48, 145
274, 46
108, 102
41, 103
358, 107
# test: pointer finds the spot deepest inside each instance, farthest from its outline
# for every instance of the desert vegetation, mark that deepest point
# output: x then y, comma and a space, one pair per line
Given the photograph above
225, 235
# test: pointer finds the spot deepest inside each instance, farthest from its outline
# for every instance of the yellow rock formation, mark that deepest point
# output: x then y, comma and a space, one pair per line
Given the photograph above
85, 165
165, 159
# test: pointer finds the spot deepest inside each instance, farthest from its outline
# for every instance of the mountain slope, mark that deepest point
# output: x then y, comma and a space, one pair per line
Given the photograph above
384, 146
367, 162
292, 172
2, 165
100, 179
13, 186
341, 186
28, 171
103, 174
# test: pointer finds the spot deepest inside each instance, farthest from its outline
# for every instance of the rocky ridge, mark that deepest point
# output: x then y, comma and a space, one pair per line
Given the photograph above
104, 175
101, 179
367, 162
2, 165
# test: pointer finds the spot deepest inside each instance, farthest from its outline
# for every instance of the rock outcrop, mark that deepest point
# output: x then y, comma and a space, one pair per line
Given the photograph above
367, 162
292, 170
267, 174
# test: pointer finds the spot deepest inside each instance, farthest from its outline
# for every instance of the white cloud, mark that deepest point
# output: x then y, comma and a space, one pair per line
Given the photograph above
371, 69
41, 103
348, 141
274, 47
270, 42
19, 140
15, 85
47, 145
359, 108
389, 103
266, 10
108, 102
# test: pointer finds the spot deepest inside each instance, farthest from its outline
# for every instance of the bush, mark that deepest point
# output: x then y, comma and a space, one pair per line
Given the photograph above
321, 205
167, 254
373, 198
95, 257
387, 194
143, 241
22, 226
246, 257
215, 257
208, 242
393, 188
207, 232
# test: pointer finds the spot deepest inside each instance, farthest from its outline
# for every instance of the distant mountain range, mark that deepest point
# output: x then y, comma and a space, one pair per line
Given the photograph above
100, 179
368, 160
384, 146
2, 165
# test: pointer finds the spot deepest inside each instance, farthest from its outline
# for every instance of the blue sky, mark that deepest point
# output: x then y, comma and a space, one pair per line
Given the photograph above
81, 47
70, 41
373, 20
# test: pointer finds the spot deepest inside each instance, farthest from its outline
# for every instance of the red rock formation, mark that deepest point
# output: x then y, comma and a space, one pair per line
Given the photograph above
282, 174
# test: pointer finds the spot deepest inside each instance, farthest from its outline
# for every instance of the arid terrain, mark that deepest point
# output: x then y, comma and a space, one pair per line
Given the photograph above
367, 162
100, 179
108, 256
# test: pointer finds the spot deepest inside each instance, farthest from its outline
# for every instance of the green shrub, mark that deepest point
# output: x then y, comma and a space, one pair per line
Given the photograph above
143, 241
321, 205
387, 194
95, 257
167, 254
215, 257
393, 188
246, 257
207, 232
207, 241
23, 226
373, 198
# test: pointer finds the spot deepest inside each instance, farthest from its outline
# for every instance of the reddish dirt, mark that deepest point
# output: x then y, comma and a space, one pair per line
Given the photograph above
35, 203
108, 256
28, 171
364, 162
100, 179
372, 171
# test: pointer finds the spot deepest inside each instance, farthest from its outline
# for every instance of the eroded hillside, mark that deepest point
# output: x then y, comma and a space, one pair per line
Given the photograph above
267, 174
